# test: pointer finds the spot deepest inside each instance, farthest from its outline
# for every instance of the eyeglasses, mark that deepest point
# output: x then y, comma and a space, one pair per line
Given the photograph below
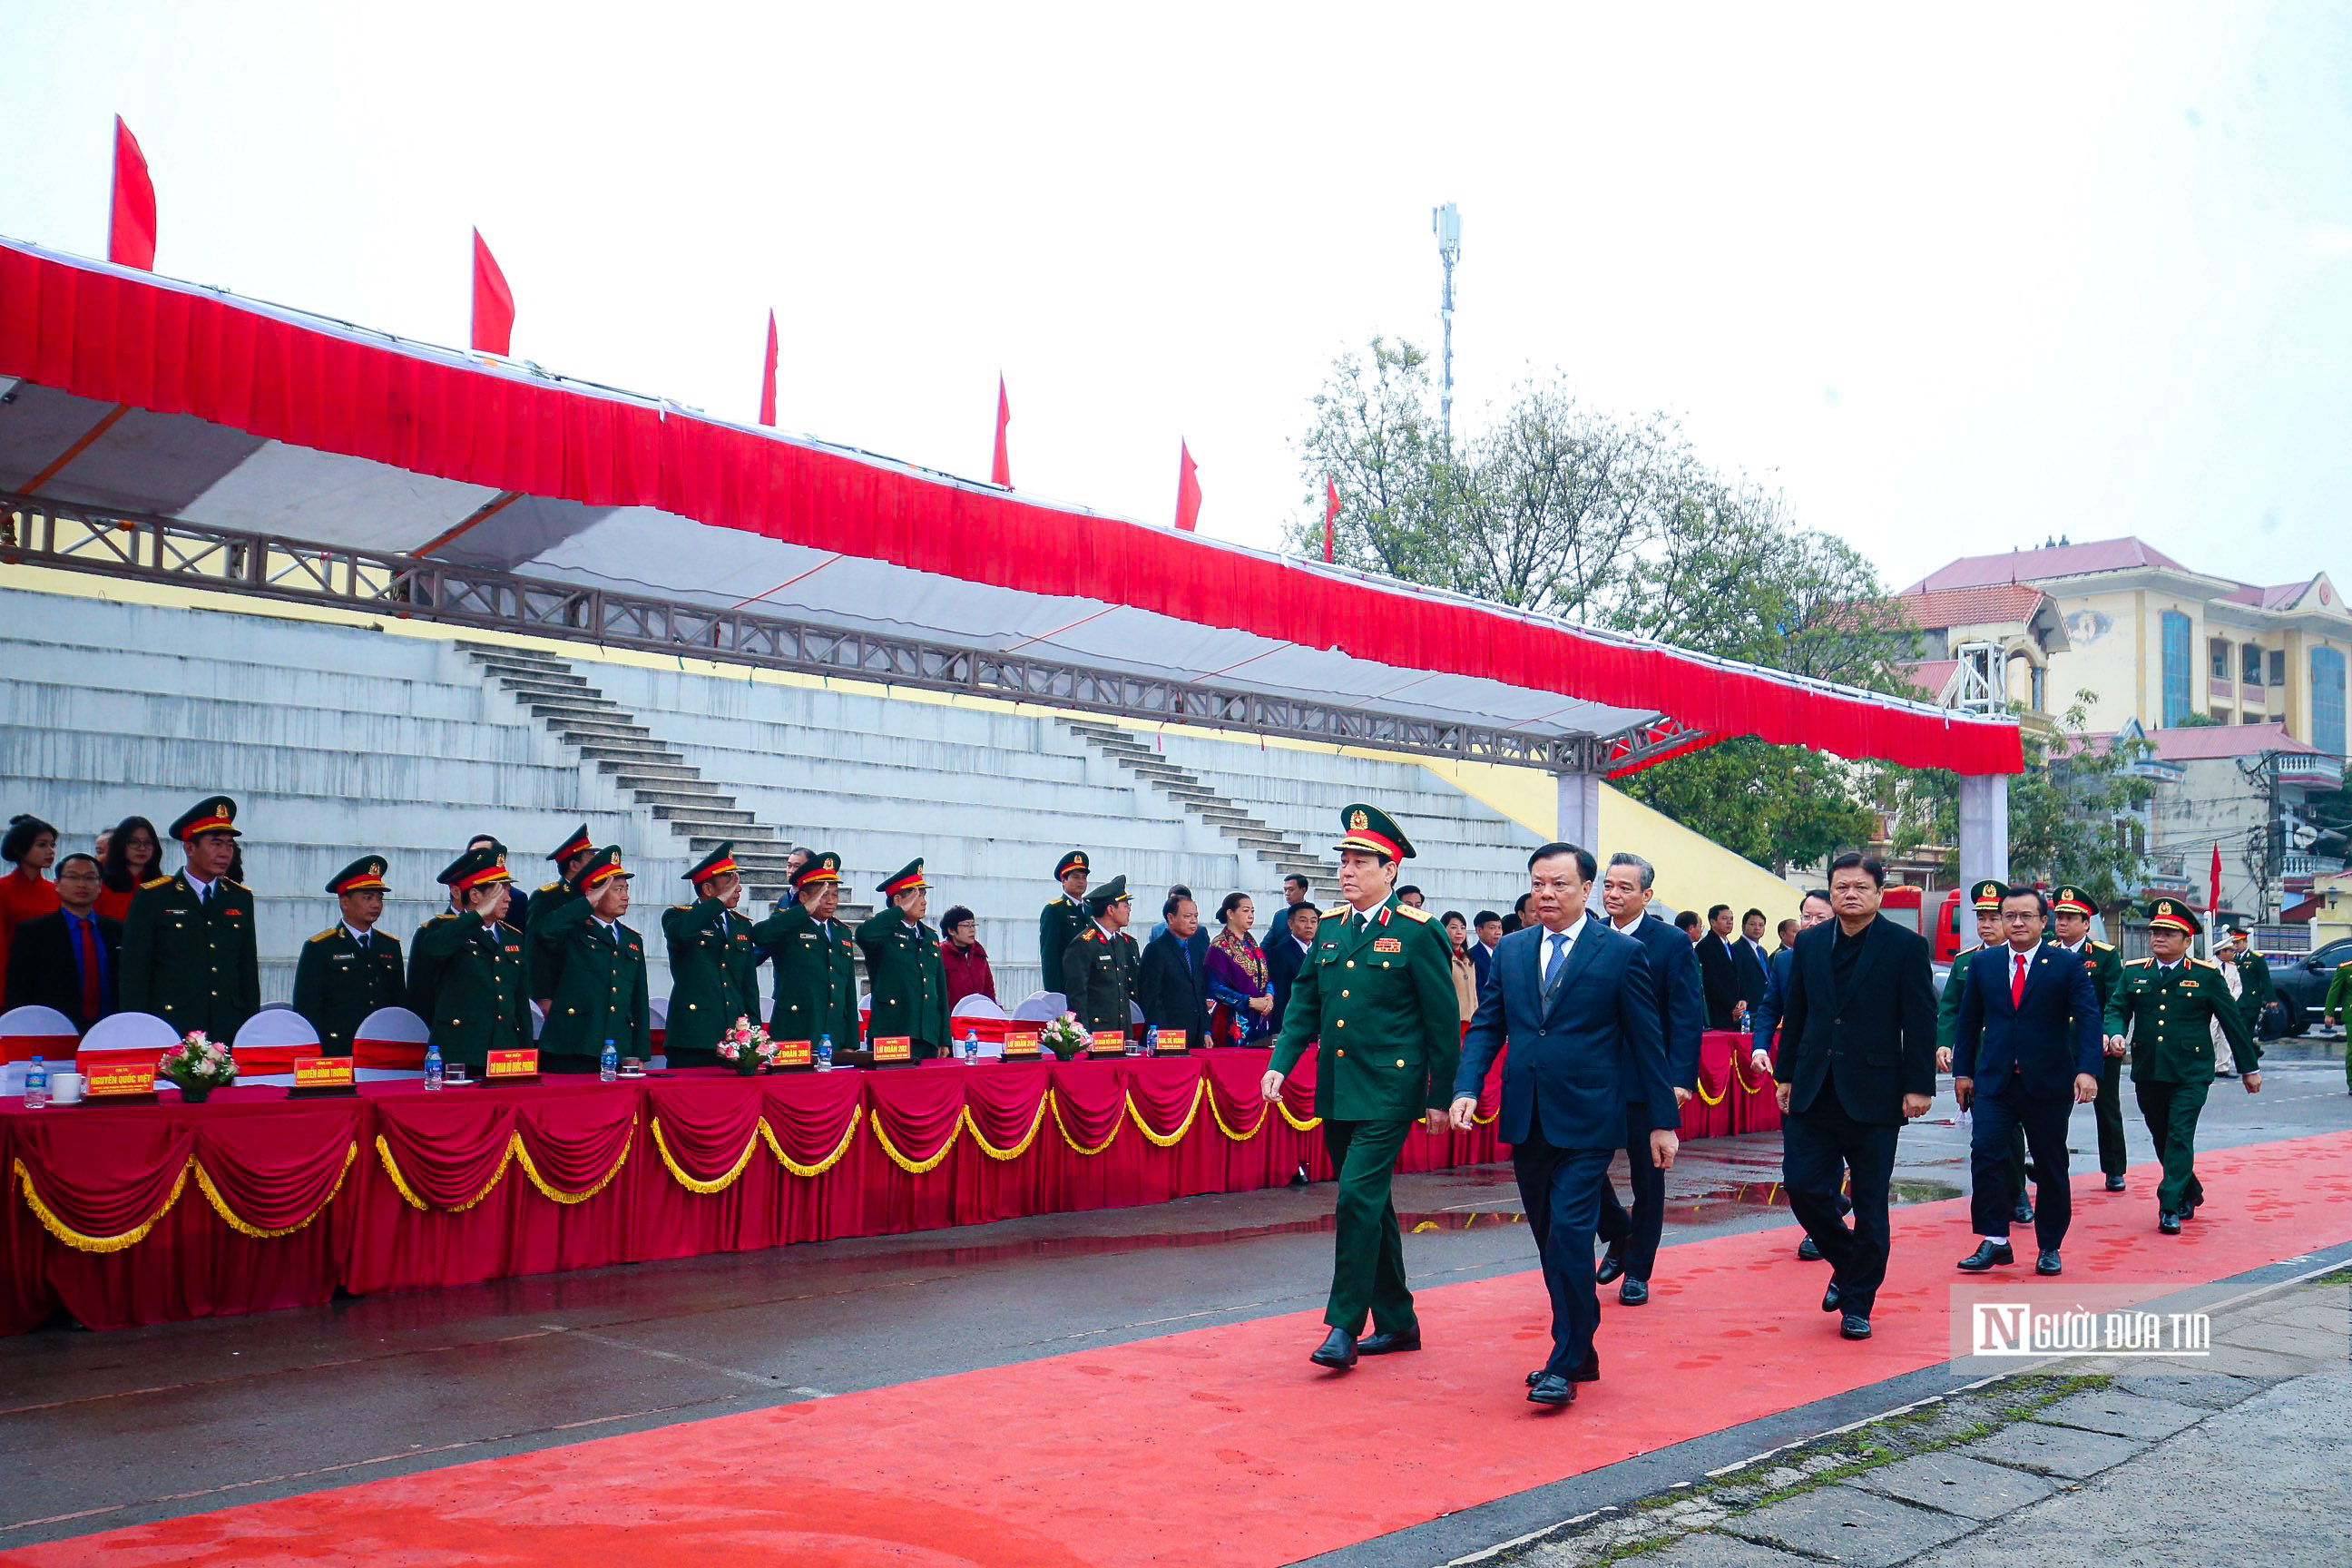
77, 875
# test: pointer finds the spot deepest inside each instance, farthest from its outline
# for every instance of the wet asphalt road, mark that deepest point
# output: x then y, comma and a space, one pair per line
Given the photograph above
100, 1430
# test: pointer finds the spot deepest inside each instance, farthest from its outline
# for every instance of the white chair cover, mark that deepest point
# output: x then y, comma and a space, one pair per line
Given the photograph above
1039, 1006
978, 1006
131, 1032
275, 1026
37, 1031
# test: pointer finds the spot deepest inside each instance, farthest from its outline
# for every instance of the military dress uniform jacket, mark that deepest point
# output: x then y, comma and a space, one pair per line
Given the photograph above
1059, 924
337, 983
540, 965
2169, 1015
1955, 985
465, 980
599, 988
817, 977
1379, 997
2106, 967
196, 966
1099, 979
714, 969
909, 980
2256, 991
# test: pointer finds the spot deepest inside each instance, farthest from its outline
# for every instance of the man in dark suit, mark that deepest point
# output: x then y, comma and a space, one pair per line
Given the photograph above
1486, 933
1632, 1240
1576, 1003
1718, 972
1812, 911
67, 960
1170, 986
2028, 1050
1857, 1059
1286, 948
1748, 957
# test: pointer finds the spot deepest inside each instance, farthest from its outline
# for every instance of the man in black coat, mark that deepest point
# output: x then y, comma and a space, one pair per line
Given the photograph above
1287, 947
1170, 988
1718, 974
1631, 1239
1857, 1059
48, 961
1748, 957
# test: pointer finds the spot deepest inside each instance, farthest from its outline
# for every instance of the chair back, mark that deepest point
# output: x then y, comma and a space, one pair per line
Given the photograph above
1039, 1006
29, 1032
390, 1039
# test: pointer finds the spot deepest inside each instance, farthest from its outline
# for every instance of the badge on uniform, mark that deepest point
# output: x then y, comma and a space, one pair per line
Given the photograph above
1387, 944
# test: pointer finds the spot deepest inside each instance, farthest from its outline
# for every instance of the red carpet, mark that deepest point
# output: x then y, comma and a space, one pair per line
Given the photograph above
1223, 1445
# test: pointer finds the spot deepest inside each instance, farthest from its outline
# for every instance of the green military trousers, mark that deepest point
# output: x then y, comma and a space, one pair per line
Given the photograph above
2171, 1109
1368, 1254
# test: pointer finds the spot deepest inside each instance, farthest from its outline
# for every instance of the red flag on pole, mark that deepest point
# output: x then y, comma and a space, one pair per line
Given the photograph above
1188, 489
1000, 472
1330, 515
2213, 888
131, 232
768, 378
493, 302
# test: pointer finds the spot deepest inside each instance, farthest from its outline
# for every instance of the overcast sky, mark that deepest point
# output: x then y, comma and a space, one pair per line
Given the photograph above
1956, 279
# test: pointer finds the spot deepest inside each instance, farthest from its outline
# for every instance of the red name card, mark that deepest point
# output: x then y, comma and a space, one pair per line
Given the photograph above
1107, 1043
793, 1054
1021, 1047
323, 1073
892, 1048
119, 1078
512, 1064
1172, 1042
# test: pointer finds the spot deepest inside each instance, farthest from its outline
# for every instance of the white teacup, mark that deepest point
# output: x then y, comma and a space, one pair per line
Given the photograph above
65, 1087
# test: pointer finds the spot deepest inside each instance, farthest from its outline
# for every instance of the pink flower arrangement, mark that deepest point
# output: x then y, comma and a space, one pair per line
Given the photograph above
198, 1064
746, 1047
1065, 1036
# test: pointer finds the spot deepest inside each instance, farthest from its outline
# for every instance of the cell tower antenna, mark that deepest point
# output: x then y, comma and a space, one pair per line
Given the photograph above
1447, 222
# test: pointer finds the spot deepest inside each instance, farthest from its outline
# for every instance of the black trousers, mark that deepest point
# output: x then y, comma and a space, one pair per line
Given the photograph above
1993, 1189
1560, 1189
1634, 1237
2108, 1108
1819, 1146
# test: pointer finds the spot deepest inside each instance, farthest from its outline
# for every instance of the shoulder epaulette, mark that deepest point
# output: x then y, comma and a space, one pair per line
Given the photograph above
2103, 946
1337, 910
156, 883
2138, 962
551, 887
2206, 963
326, 933
1409, 912
681, 907
444, 915
2341, 967
233, 883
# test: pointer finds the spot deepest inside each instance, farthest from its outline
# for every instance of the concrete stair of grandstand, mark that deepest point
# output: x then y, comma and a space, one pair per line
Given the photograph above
1283, 856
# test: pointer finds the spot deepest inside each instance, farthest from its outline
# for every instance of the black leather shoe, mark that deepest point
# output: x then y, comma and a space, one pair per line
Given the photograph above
1337, 1352
1633, 1292
1553, 1389
2188, 1211
2048, 1264
1389, 1342
1988, 1255
1809, 1250
1611, 1267
2169, 1223
2022, 1213
1854, 1326
1830, 1298
2115, 1184
1588, 1373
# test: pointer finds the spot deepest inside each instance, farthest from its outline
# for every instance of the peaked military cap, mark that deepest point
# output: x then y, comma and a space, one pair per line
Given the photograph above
476, 866
1076, 860
1988, 894
2073, 900
906, 879
578, 844
2171, 914
217, 814
603, 866
718, 863
1370, 829
1111, 892
362, 875
823, 867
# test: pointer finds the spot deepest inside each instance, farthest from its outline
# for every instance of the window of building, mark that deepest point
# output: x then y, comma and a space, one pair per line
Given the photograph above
2178, 673
2250, 717
2278, 667
2218, 650
2250, 664
2218, 715
2327, 699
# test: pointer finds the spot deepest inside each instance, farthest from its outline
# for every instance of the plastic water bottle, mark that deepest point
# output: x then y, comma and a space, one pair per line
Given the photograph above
1747, 1023
432, 1069
1150, 1042
824, 1053
608, 1065
37, 1084
971, 1044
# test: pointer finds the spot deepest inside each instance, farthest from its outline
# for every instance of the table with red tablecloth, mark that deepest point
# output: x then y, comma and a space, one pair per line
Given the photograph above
137, 1214
1732, 1097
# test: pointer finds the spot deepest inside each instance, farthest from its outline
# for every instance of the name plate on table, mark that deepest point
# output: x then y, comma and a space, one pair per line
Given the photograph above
1021, 1047
118, 1079
1172, 1043
792, 1056
510, 1065
1107, 1043
324, 1076
892, 1050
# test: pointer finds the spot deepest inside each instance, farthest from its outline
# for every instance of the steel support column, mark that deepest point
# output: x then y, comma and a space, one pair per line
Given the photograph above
1580, 810
1984, 828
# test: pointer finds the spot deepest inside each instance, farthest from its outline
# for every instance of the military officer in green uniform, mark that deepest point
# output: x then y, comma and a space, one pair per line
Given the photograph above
1059, 923
816, 959
350, 969
902, 965
2072, 909
464, 969
597, 997
2168, 1004
714, 966
2333, 1010
1985, 899
570, 856
1376, 992
1100, 966
2257, 995
189, 954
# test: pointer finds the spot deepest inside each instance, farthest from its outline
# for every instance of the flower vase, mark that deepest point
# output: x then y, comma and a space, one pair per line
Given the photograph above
749, 1067
194, 1093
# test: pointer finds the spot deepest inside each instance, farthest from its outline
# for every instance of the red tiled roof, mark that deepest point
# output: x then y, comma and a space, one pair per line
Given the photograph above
2038, 565
1934, 609
1932, 675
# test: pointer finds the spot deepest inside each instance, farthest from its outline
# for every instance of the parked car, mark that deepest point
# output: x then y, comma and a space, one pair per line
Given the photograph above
2303, 986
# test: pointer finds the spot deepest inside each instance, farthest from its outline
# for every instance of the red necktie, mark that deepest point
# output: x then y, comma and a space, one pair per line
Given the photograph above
92, 997
2017, 983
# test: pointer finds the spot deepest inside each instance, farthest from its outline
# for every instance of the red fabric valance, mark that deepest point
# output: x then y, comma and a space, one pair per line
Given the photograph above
131, 339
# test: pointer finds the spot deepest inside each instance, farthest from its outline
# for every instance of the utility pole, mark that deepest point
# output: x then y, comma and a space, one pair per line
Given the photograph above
1447, 222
